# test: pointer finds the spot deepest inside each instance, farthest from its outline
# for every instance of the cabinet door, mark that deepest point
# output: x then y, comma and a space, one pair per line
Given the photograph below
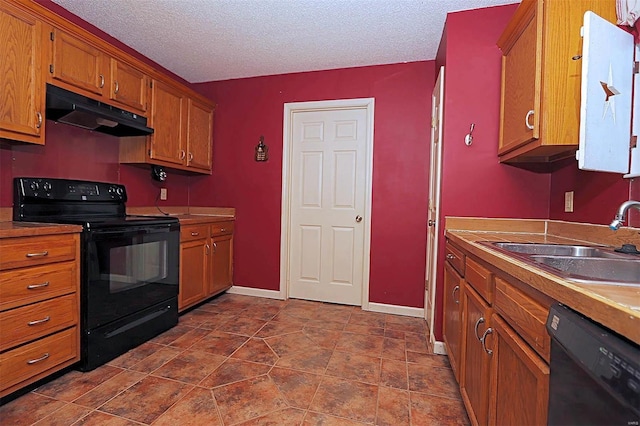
199, 135
476, 356
519, 380
21, 76
128, 86
194, 272
221, 264
78, 64
168, 115
452, 323
521, 82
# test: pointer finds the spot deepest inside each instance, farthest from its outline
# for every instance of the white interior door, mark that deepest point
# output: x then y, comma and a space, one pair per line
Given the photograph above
433, 227
329, 202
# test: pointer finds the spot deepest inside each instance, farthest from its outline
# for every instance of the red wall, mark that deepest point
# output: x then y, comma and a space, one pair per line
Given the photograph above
596, 195
474, 183
248, 108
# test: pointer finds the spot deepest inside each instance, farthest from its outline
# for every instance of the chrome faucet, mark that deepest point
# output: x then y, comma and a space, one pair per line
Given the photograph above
622, 210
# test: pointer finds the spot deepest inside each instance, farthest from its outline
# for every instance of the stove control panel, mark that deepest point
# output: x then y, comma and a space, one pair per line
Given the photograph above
68, 190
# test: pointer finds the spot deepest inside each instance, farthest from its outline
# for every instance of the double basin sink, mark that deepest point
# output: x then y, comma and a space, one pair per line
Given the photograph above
581, 263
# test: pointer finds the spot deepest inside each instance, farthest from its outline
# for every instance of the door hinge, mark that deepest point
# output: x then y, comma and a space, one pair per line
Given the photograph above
636, 68
52, 36
433, 122
51, 68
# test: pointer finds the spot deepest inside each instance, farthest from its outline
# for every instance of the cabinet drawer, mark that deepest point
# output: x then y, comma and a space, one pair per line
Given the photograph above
28, 285
221, 228
30, 322
28, 361
30, 251
455, 257
193, 232
480, 278
525, 315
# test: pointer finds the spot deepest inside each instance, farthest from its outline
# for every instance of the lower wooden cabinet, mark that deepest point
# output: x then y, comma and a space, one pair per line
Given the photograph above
452, 324
497, 342
519, 380
476, 356
39, 307
206, 261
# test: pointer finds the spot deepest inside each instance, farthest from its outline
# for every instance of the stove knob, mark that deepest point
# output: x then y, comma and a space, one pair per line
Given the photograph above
119, 190
34, 186
46, 186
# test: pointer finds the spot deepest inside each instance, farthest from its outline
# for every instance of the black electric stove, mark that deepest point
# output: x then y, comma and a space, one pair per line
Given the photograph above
129, 264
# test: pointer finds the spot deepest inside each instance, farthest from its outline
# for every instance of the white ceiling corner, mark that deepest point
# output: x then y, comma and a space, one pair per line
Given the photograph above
209, 40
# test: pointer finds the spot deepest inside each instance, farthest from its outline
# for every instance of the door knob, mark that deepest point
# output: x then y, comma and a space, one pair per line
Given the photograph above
358, 218
431, 222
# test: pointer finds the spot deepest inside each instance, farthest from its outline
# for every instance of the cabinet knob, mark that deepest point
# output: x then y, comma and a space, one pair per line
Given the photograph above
195, 234
451, 256
526, 119
39, 123
453, 294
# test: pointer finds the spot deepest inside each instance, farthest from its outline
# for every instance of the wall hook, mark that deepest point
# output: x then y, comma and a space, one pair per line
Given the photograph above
468, 139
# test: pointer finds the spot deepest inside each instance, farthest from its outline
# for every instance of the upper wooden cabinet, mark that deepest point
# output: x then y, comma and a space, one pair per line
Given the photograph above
183, 131
541, 75
81, 67
22, 101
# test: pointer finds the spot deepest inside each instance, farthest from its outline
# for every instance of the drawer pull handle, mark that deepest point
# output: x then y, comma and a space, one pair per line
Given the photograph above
41, 254
453, 294
195, 234
40, 321
480, 321
42, 358
484, 337
451, 256
222, 229
34, 286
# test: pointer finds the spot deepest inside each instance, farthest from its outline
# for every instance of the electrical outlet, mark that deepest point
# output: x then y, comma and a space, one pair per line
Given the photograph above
568, 202
163, 193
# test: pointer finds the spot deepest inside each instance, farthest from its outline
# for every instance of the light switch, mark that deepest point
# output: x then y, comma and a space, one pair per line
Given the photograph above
568, 202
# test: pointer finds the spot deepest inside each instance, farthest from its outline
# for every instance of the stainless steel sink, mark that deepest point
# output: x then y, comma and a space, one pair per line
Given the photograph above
589, 269
581, 263
559, 250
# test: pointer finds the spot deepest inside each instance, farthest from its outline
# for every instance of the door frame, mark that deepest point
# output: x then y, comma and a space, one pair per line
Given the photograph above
287, 165
435, 175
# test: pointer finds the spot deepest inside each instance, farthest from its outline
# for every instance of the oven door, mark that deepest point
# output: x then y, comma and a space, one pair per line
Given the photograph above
127, 270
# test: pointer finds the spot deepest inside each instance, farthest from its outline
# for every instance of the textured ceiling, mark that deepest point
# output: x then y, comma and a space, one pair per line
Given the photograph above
207, 40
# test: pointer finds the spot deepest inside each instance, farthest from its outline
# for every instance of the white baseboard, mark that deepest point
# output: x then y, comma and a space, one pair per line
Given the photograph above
407, 311
257, 292
438, 348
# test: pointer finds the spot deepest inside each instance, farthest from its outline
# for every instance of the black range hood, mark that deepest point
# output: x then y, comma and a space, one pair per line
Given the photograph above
71, 108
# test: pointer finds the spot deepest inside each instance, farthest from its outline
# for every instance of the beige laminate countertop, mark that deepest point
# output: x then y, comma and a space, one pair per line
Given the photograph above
194, 219
30, 229
615, 307
190, 215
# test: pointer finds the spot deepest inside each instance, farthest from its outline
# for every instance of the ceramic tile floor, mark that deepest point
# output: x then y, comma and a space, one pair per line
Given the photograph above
240, 360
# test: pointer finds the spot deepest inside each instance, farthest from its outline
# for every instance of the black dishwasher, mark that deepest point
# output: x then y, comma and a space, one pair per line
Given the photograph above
595, 373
